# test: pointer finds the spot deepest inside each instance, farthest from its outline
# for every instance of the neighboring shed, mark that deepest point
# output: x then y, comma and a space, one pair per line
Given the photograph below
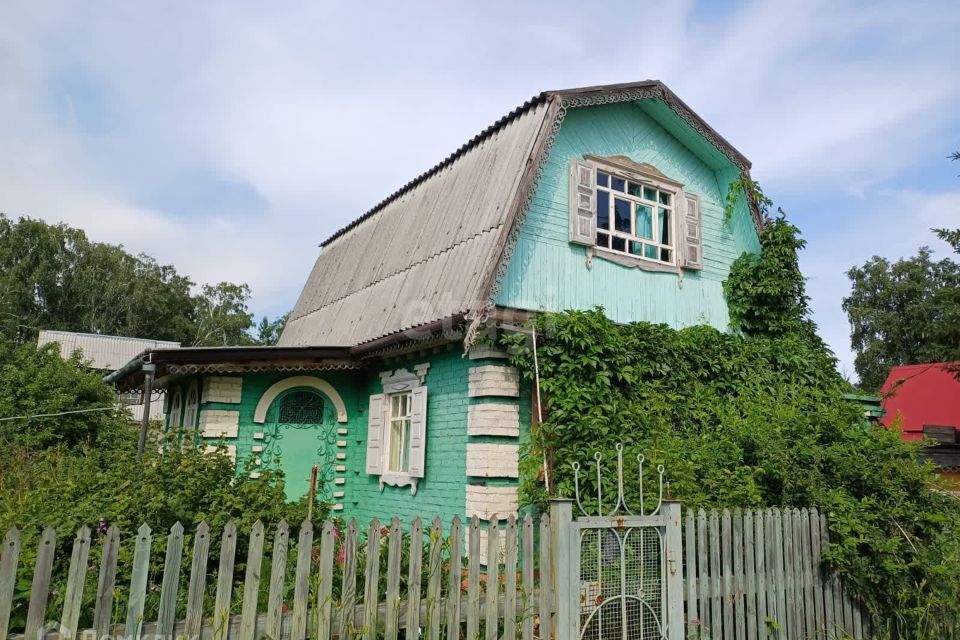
107, 354
924, 401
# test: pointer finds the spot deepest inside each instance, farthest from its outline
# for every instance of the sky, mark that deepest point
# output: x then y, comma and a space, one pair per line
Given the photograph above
230, 138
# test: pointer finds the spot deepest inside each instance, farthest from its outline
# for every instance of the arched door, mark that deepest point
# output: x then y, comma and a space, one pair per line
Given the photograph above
300, 432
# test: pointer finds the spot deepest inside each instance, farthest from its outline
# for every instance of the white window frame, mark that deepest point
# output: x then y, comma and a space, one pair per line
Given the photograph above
397, 383
684, 241
406, 421
644, 184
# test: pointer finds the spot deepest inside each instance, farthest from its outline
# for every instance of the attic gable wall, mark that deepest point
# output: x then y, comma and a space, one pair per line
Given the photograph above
546, 272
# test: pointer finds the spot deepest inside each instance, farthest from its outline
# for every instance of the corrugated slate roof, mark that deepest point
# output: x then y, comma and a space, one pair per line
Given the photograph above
105, 353
421, 256
430, 250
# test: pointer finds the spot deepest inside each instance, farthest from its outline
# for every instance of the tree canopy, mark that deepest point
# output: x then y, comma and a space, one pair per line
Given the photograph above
904, 312
54, 277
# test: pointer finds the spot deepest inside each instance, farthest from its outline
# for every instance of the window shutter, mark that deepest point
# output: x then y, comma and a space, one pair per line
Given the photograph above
375, 434
583, 195
692, 233
418, 432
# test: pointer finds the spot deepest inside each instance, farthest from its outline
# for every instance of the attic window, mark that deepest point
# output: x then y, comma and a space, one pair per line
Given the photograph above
633, 214
634, 218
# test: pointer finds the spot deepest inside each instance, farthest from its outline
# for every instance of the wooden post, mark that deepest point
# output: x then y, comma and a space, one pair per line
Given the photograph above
566, 564
148, 372
312, 493
674, 552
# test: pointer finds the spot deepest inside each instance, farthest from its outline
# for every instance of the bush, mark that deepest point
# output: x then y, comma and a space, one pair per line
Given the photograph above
746, 422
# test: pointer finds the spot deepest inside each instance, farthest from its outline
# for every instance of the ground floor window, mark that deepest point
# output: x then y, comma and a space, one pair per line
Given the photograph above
399, 435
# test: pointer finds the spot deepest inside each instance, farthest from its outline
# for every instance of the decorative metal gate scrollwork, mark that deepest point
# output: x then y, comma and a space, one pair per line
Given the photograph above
625, 559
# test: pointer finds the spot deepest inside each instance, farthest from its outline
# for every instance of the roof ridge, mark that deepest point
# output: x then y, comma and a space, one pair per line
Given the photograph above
403, 269
535, 101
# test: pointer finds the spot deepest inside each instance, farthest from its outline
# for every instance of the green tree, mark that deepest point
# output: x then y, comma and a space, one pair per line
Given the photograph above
903, 312
38, 381
54, 277
268, 331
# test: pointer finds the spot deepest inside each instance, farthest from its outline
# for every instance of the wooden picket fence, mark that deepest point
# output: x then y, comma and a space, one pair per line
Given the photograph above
757, 575
337, 589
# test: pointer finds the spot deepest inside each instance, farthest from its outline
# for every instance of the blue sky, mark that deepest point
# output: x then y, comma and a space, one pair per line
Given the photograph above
230, 138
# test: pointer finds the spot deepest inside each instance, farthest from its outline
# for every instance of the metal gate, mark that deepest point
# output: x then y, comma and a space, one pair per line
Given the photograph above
624, 573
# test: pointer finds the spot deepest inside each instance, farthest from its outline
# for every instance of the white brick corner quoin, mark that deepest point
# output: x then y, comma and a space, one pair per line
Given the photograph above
493, 380
222, 389
493, 419
485, 502
493, 460
216, 423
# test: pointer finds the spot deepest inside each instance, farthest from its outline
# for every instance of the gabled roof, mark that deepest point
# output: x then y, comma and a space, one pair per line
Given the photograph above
438, 246
105, 353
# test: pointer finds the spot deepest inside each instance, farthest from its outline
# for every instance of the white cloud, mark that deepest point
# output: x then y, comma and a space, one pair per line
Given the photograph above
324, 109
899, 223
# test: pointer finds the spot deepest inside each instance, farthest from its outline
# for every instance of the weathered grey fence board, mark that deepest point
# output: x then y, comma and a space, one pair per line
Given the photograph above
473, 579
8, 577
546, 606
301, 582
703, 571
138, 581
493, 578
453, 586
750, 577
251, 583
278, 574
198, 581
348, 588
510, 580
690, 560
108, 575
221, 607
528, 599
434, 580
325, 580
393, 581
371, 586
76, 577
737, 594
40, 589
414, 571
170, 585
716, 599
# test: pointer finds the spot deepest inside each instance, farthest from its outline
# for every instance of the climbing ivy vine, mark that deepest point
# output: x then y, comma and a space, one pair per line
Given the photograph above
751, 418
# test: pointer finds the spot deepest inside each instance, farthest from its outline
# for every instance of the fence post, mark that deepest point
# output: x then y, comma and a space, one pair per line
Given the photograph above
674, 551
566, 565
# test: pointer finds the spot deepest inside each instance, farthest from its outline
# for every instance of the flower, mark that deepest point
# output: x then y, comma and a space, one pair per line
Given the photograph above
342, 556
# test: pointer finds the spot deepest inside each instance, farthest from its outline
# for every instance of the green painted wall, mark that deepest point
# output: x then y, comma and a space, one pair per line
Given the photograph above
441, 492
548, 273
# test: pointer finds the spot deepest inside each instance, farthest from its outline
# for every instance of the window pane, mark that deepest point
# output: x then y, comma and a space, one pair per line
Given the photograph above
396, 445
634, 189
665, 255
663, 220
650, 251
636, 248
664, 198
603, 179
650, 193
618, 244
644, 221
619, 184
621, 212
603, 240
603, 209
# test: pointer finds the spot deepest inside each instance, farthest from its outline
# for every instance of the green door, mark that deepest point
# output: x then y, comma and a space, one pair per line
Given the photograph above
300, 433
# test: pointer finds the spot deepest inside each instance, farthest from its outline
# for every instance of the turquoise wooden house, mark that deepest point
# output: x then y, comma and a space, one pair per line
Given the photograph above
610, 195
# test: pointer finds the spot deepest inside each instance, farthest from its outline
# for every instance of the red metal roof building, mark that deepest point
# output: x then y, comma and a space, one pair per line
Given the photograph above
924, 399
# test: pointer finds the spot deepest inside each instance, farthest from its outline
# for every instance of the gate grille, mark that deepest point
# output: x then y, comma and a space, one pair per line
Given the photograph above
622, 585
